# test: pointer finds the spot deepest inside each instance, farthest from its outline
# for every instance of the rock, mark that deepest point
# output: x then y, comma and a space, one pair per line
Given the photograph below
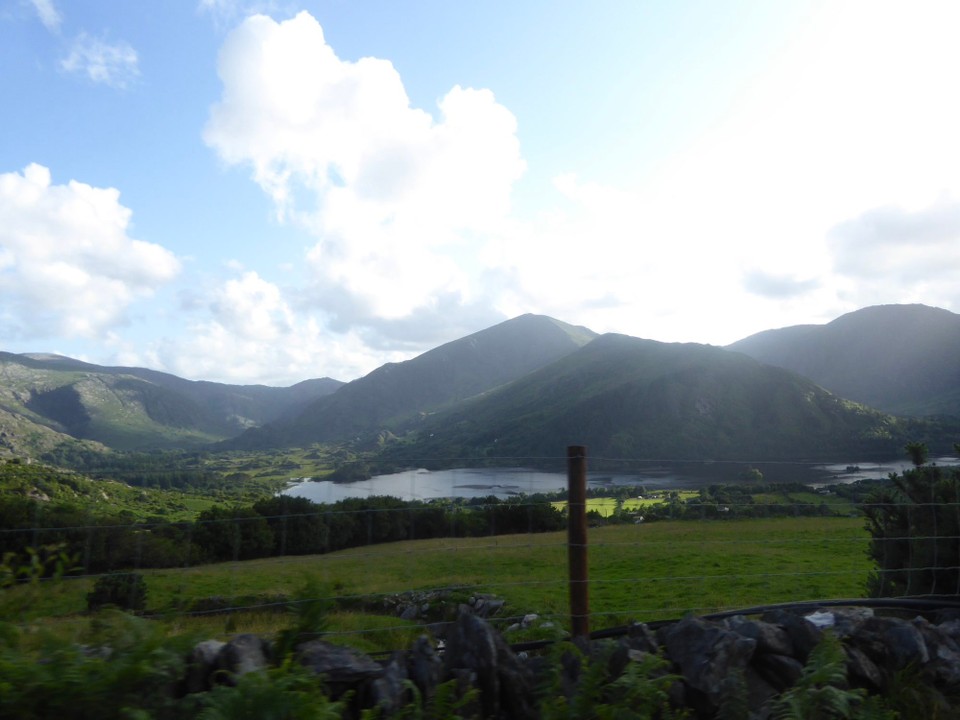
506, 685
804, 635
640, 637
424, 666
861, 667
706, 653
244, 654
529, 619
944, 652
902, 642
339, 665
388, 692
780, 671
847, 620
201, 664
471, 647
770, 638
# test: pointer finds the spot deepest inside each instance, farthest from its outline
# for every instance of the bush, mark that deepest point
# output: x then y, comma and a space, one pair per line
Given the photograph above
127, 591
915, 529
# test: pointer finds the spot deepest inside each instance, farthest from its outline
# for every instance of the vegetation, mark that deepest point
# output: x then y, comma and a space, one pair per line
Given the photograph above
914, 522
126, 591
822, 690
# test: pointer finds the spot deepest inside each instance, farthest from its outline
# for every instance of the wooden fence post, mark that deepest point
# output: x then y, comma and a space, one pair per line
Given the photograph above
577, 540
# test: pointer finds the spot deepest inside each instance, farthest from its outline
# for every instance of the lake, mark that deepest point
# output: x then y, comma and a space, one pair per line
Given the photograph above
508, 482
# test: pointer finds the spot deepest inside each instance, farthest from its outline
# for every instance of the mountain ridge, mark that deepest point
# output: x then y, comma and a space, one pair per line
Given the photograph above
394, 396
902, 359
621, 392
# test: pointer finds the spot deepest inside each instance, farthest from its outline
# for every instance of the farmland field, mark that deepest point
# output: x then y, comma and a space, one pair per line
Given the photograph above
643, 572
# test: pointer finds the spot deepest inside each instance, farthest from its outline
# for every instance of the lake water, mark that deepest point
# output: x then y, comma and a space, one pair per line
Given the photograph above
508, 482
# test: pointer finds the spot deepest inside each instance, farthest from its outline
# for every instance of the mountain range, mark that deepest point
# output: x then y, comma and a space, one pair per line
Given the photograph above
46, 400
901, 359
529, 386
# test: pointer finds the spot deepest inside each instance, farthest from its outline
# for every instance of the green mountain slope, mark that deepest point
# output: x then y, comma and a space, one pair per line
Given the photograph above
631, 398
397, 395
133, 408
902, 359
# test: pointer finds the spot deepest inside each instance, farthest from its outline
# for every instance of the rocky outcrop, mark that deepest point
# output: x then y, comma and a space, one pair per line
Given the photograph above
705, 666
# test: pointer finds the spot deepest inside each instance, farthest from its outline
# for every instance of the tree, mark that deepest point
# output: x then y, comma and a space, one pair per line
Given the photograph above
918, 452
915, 530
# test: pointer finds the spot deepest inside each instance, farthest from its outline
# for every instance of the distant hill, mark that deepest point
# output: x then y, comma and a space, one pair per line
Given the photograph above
627, 397
398, 395
54, 398
902, 359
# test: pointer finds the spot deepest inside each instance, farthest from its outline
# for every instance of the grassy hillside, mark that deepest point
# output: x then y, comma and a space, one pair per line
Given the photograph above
47, 397
649, 572
627, 397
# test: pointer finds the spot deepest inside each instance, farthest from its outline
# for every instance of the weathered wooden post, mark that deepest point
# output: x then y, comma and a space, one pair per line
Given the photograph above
577, 540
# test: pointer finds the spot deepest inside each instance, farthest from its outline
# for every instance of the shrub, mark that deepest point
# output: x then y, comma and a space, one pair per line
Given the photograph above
123, 590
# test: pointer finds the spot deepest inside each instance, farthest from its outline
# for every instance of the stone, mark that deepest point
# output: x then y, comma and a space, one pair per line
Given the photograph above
201, 665
471, 647
804, 635
424, 666
780, 671
861, 667
770, 638
506, 685
340, 665
706, 653
847, 620
388, 692
244, 654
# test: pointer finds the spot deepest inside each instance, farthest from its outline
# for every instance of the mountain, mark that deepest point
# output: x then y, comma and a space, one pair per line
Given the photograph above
132, 408
631, 398
902, 359
397, 395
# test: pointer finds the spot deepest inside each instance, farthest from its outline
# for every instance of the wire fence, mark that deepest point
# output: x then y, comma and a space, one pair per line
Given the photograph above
396, 554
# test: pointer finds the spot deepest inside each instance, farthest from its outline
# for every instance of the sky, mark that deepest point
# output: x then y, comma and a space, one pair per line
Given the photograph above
266, 192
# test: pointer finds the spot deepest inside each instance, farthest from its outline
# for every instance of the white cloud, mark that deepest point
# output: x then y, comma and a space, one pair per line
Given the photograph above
914, 253
48, 14
248, 333
67, 265
113, 64
746, 228
399, 200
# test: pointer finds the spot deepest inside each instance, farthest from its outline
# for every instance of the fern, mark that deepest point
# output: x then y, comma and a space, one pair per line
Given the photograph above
641, 692
288, 692
821, 693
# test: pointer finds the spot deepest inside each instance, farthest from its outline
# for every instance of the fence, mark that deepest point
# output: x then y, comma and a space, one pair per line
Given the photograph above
387, 567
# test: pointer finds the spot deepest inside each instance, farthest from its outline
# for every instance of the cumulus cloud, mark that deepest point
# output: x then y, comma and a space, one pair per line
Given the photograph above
893, 240
771, 285
399, 199
48, 14
113, 64
67, 265
246, 331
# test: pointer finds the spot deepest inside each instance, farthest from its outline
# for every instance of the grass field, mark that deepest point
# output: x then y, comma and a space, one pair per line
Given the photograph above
606, 506
644, 572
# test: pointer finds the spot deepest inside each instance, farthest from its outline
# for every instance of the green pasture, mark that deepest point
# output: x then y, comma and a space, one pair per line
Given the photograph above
643, 572
606, 506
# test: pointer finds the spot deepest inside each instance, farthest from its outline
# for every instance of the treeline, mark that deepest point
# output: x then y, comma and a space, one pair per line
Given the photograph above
162, 469
271, 527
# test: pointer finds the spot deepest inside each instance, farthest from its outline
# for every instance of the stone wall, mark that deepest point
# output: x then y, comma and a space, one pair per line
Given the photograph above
757, 658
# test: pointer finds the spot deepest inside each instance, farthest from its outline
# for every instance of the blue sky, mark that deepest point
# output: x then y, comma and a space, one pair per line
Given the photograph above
264, 192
